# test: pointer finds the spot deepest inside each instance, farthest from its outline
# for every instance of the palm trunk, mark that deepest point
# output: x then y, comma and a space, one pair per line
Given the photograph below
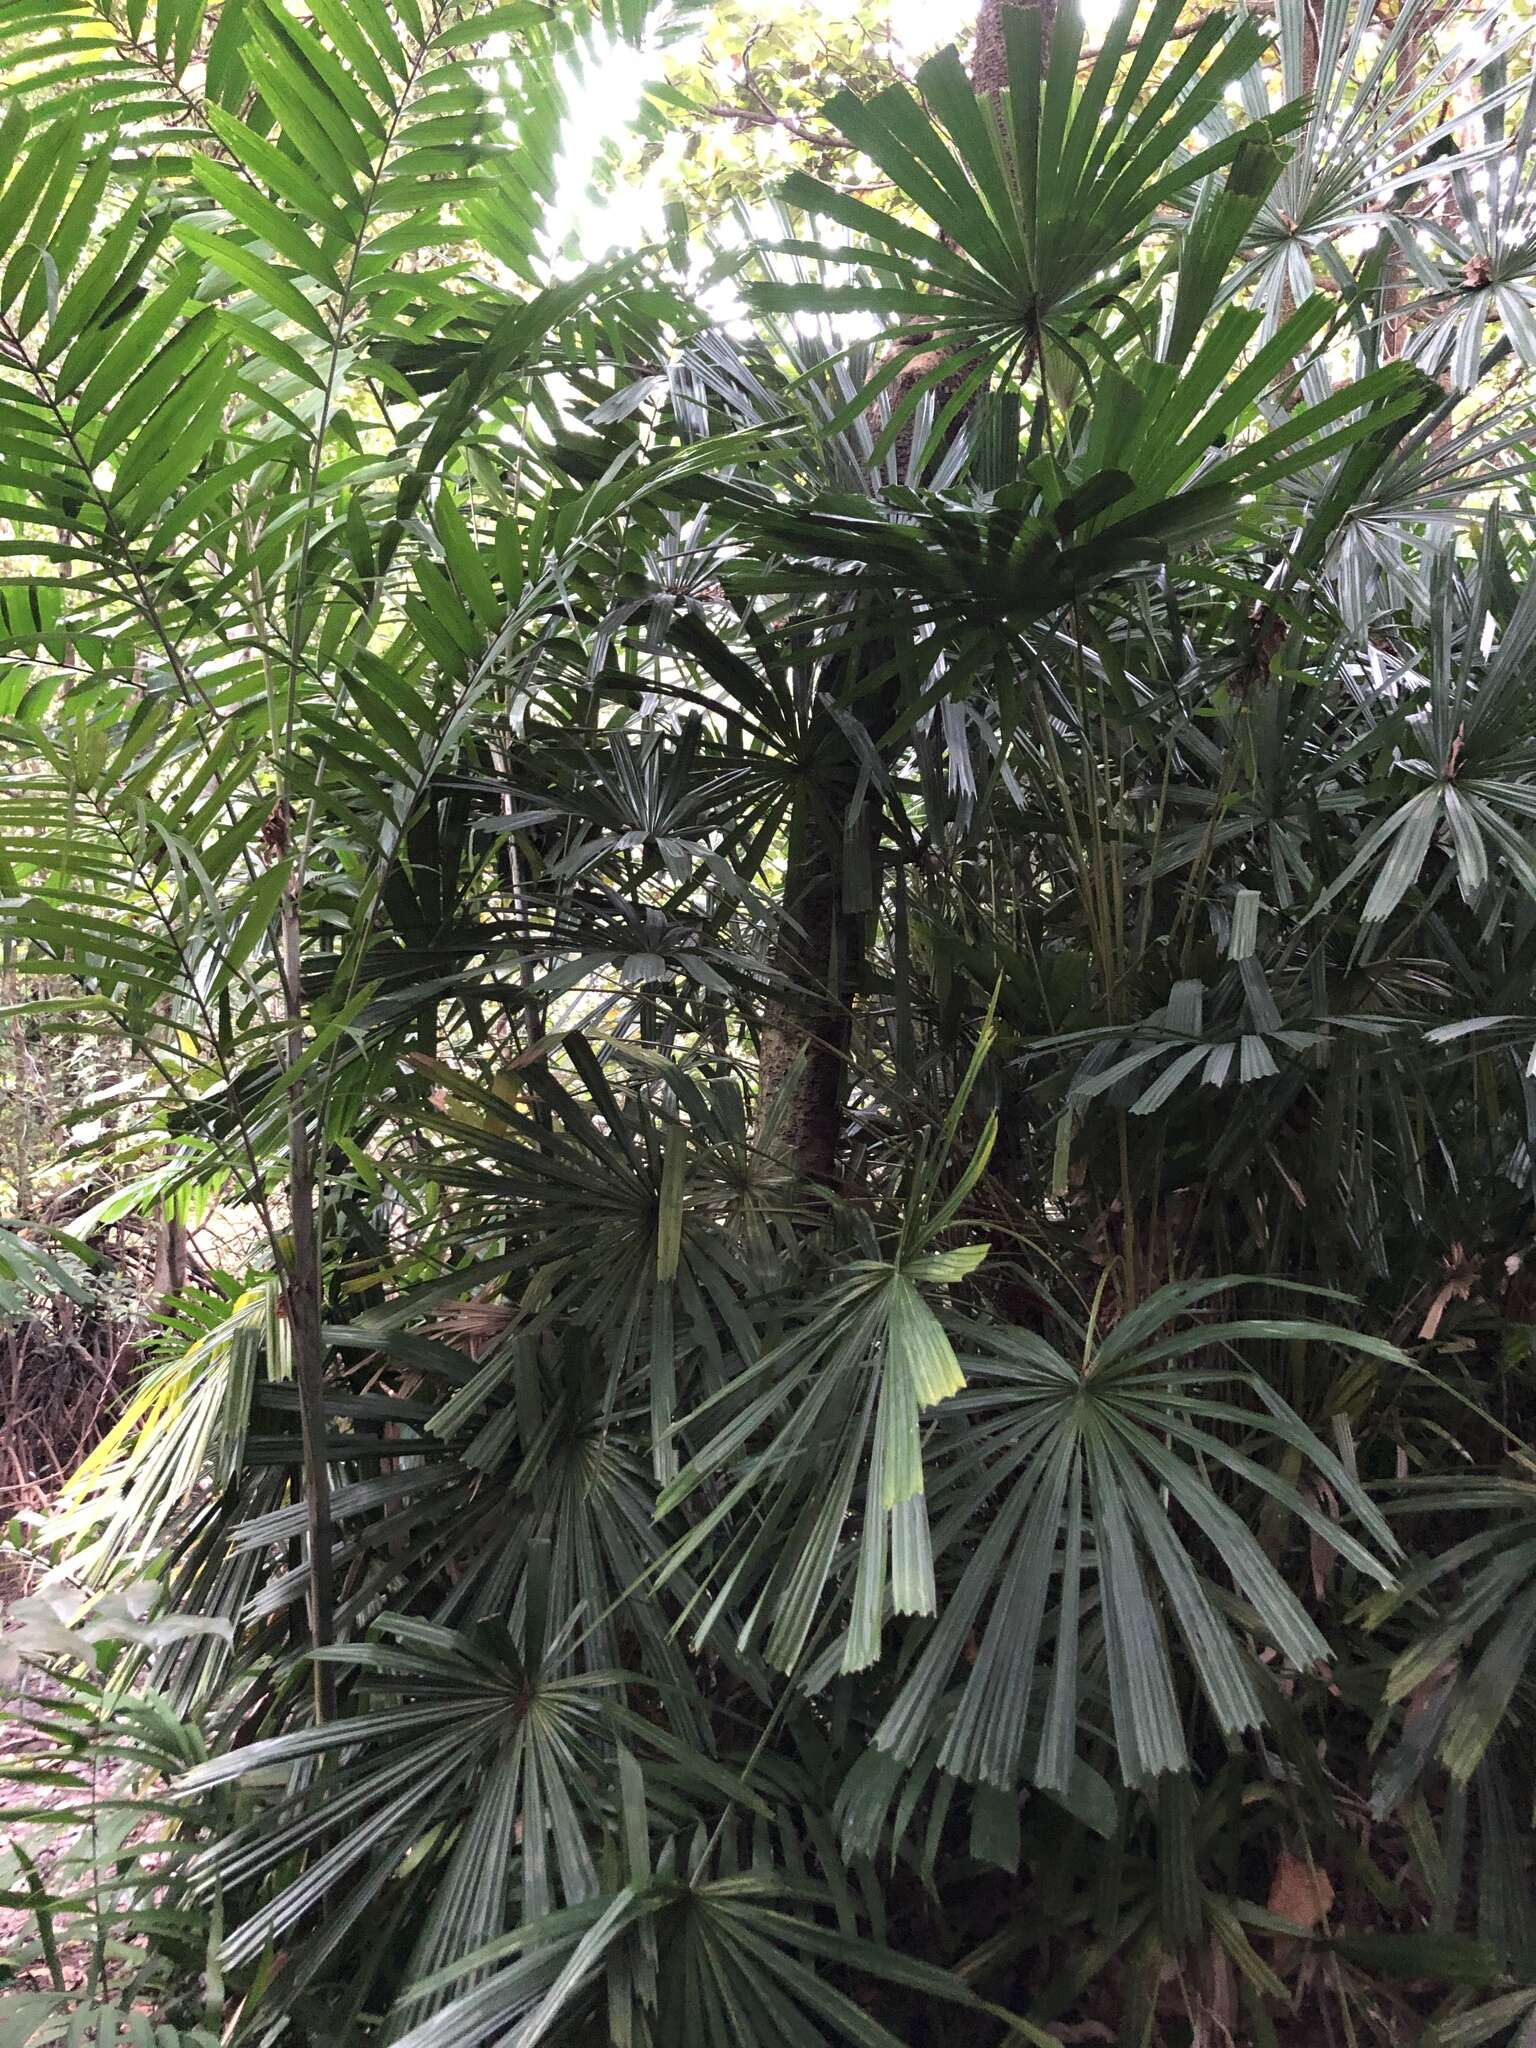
820, 952
301, 1301
170, 1258
989, 55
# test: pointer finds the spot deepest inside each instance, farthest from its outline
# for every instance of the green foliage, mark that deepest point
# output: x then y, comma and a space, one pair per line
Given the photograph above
862, 957
87, 1763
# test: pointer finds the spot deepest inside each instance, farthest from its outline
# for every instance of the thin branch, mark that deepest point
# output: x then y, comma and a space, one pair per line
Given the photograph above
751, 117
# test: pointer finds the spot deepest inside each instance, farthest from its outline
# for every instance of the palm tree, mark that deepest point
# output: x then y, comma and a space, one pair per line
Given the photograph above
866, 964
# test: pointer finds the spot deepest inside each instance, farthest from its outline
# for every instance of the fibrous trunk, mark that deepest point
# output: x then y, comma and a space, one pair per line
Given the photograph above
989, 56
820, 957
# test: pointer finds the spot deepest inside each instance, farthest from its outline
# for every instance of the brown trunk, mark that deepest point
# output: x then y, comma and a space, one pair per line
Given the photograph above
170, 1258
989, 57
1310, 45
301, 1303
820, 951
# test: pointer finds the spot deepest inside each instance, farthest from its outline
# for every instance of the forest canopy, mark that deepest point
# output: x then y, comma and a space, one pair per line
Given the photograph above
767, 914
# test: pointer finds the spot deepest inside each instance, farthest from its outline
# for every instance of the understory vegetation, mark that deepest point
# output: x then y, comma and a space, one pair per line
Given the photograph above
768, 1262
